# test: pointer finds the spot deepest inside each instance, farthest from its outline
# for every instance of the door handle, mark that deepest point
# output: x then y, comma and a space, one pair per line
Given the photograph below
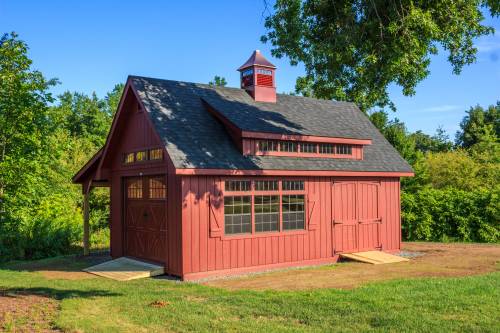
336, 222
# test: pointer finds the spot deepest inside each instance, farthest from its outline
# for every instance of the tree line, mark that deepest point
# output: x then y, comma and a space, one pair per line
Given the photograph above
45, 139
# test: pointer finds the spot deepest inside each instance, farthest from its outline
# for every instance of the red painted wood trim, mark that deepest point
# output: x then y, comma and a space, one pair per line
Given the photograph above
90, 163
301, 173
307, 138
244, 270
114, 123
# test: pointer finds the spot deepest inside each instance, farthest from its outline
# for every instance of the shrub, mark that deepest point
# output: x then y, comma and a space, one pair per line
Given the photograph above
451, 214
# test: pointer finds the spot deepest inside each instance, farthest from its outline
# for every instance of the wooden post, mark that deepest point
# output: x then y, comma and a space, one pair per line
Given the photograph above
86, 227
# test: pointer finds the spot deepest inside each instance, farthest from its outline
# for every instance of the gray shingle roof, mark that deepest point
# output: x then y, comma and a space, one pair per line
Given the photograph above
195, 139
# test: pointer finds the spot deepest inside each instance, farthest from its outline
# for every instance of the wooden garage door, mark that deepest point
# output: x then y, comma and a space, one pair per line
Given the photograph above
356, 216
146, 218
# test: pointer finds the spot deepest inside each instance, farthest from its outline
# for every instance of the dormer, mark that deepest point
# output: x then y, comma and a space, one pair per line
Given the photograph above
257, 78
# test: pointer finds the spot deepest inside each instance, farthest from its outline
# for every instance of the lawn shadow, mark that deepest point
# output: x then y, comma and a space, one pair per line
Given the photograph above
54, 293
64, 268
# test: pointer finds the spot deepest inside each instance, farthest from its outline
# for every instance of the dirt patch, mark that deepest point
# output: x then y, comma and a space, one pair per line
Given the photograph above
64, 268
436, 260
22, 312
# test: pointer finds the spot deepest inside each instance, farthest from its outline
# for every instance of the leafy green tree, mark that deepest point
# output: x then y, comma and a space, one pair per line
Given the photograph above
354, 49
479, 126
218, 81
112, 99
24, 95
396, 133
438, 142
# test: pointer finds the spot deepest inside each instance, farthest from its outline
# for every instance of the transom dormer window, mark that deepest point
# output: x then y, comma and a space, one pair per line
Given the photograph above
288, 146
307, 147
326, 148
268, 145
344, 149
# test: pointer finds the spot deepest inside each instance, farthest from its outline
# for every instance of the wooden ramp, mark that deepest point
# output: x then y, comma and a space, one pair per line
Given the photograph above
374, 257
124, 269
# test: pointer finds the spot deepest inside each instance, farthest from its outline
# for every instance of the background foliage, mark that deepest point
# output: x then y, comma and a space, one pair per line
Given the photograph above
44, 140
352, 50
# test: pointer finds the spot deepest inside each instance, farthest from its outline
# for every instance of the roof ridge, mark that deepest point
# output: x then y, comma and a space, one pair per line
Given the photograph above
206, 85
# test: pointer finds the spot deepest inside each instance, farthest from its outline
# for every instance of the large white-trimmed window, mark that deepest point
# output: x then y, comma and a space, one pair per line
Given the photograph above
267, 212
237, 214
260, 206
293, 206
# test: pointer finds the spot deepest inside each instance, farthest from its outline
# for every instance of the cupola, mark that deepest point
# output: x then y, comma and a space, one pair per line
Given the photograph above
257, 78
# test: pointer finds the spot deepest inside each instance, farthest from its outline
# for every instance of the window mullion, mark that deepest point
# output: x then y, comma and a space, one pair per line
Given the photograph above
252, 209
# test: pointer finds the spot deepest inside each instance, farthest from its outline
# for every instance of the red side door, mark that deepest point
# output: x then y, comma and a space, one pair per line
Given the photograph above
145, 221
368, 216
345, 220
356, 216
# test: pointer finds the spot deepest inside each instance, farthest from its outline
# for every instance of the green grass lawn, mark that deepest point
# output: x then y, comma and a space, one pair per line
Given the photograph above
426, 305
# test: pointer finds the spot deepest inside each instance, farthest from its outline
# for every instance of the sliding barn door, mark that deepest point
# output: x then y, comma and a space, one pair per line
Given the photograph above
356, 216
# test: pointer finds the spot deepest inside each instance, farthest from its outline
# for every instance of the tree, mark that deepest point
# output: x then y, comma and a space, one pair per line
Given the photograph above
479, 126
438, 142
218, 81
354, 49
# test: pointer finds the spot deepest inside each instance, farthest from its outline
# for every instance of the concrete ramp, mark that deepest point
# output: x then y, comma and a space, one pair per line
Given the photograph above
124, 269
374, 257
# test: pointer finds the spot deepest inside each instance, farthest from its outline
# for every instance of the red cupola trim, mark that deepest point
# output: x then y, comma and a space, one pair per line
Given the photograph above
257, 78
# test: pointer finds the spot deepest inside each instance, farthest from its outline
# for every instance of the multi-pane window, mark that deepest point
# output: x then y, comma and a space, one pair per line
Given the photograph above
157, 188
266, 185
288, 146
141, 156
293, 185
264, 206
129, 158
237, 185
344, 149
326, 148
268, 145
293, 212
267, 213
307, 147
134, 189
237, 215
155, 154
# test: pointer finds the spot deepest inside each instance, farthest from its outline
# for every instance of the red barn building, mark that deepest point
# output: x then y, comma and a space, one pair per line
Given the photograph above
213, 180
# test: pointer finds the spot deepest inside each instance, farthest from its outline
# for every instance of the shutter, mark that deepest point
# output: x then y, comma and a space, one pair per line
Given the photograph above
215, 216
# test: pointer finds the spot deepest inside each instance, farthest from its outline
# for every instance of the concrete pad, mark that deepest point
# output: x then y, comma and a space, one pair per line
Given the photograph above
125, 269
374, 257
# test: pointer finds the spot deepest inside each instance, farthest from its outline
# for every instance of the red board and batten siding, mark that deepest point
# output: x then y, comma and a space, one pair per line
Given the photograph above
206, 249
134, 132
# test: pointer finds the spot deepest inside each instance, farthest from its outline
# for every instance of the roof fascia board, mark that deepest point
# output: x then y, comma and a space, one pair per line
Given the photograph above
77, 177
226, 172
113, 126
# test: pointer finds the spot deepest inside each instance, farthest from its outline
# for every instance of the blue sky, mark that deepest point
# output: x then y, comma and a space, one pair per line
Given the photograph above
92, 45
